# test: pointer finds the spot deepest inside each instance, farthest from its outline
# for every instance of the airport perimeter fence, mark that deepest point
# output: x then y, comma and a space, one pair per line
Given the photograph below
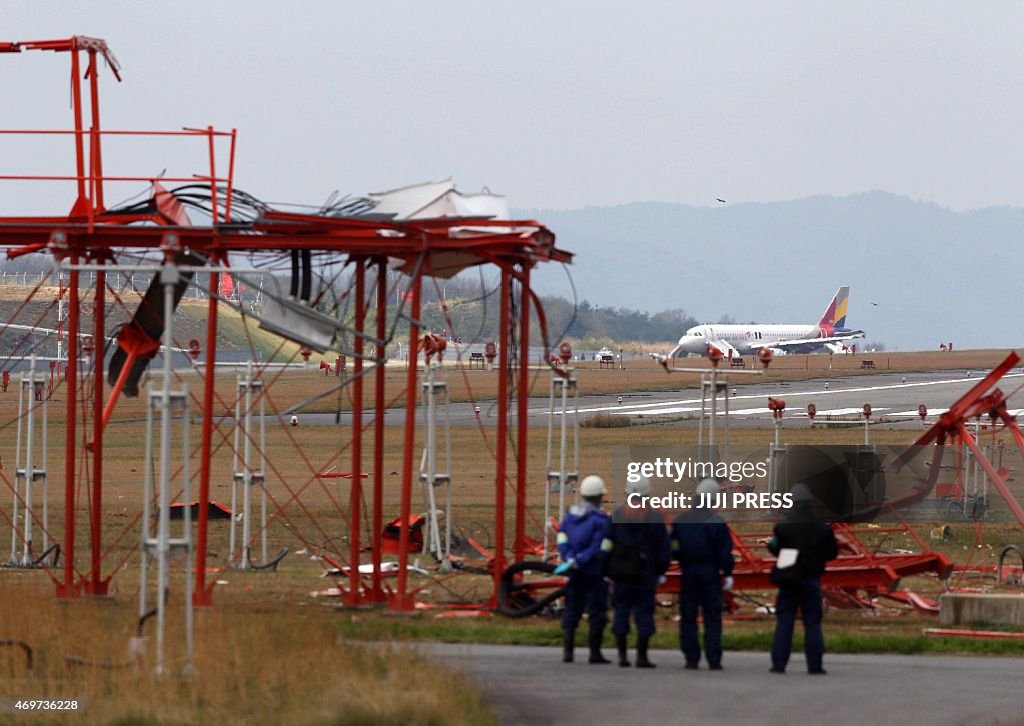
120, 281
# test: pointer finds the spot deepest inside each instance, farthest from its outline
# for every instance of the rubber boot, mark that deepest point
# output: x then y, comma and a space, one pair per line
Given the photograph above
641, 654
568, 644
595, 649
620, 643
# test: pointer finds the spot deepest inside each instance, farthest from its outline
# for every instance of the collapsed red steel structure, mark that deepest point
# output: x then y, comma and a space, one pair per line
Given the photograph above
861, 575
427, 247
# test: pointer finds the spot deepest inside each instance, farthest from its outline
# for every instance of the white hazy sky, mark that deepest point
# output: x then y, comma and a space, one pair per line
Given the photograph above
556, 104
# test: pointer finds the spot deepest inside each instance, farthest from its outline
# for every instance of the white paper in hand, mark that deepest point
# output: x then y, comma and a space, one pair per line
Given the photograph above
787, 558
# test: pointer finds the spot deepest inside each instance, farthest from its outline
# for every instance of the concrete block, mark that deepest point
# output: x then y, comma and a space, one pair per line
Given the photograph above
962, 608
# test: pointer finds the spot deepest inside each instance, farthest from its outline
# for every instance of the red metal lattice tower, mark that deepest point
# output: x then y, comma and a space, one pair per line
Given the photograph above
91, 234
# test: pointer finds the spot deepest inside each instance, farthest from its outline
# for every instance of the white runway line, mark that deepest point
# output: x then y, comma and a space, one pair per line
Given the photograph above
638, 407
656, 411
931, 412
846, 411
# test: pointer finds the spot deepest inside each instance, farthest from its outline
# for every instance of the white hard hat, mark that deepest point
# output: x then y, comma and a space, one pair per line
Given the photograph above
707, 486
641, 487
593, 486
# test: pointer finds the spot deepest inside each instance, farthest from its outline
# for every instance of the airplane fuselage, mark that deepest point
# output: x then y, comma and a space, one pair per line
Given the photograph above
745, 338
829, 333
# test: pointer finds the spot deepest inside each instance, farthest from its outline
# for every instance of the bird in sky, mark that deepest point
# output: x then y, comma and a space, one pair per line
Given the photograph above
721, 200
875, 304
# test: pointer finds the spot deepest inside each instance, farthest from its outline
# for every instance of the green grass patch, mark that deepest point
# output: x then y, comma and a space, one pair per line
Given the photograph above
839, 638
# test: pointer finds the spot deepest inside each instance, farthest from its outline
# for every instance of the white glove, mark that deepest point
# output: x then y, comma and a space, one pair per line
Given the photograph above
727, 583
662, 579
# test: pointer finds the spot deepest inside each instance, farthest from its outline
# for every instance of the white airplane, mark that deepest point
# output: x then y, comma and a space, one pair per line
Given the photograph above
734, 340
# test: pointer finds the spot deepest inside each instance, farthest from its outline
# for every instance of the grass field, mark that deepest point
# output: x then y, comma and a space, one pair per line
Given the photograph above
268, 651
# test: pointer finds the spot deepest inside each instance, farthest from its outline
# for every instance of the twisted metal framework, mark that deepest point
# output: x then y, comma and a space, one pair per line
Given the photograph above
158, 234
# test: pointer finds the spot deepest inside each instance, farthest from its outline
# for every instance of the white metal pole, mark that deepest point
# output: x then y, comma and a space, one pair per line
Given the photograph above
168, 276
263, 469
45, 474
714, 409
147, 499
547, 463
573, 381
448, 475
247, 470
30, 435
703, 413
17, 471
187, 535
235, 470
563, 445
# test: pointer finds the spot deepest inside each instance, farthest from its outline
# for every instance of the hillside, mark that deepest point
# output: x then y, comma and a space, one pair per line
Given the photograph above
935, 274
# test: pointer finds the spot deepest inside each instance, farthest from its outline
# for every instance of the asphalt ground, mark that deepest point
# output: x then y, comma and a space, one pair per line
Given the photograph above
894, 398
530, 685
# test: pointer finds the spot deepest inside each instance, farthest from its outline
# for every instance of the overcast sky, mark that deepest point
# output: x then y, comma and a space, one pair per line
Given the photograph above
556, 104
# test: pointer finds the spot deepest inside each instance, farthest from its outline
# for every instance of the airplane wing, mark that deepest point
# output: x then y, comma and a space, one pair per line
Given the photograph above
798, 343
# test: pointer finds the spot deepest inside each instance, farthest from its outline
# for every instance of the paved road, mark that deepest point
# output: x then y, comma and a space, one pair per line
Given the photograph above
895, 396
530, 685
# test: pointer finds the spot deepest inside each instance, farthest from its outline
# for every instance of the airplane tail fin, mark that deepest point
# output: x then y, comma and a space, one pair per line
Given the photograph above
835, 313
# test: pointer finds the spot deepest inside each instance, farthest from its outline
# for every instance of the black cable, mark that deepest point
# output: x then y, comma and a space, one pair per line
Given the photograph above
294, 290
307, 275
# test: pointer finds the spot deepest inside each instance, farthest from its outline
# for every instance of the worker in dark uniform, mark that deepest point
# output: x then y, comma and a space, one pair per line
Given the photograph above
579, 544
637, 543
800, 583
702, 543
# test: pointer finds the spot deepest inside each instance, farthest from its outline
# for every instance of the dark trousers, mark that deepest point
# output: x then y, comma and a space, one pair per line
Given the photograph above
807, 597
636, 599
588, 592
701, 588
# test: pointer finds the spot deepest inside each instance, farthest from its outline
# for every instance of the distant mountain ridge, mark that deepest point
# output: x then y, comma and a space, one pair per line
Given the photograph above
937, 275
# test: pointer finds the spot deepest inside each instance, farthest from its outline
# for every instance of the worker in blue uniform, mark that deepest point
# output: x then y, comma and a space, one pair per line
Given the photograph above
580, 538
702, 543
813, 543
637, 542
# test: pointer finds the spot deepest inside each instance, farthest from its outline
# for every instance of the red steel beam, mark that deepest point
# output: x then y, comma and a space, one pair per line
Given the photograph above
377, 590
76, 105
96, 585
962, 408
202, 594
501, 436
68, 588
403, 600
993, 475
95, 152
962, 633
355, 595
522, 413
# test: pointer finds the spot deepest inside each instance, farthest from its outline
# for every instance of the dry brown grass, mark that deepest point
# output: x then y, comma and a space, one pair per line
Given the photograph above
255, 666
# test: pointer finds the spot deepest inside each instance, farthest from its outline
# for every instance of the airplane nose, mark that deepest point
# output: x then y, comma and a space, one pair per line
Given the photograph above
691, 344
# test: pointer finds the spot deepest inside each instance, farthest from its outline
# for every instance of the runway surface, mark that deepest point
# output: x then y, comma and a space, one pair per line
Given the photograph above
530, 685
894, 398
